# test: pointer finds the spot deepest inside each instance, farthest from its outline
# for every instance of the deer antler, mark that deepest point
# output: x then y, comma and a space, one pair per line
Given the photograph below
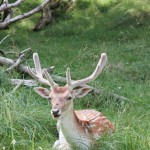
49, 78
38, 74
92, 77
68, 77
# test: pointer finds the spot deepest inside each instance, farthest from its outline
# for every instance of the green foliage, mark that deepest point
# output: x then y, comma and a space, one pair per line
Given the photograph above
4, 82
117, 27
83, 4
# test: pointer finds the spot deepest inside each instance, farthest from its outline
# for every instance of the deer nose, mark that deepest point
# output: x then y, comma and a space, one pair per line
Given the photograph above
55, 111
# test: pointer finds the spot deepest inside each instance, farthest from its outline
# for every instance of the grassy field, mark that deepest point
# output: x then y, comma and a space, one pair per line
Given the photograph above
119, 28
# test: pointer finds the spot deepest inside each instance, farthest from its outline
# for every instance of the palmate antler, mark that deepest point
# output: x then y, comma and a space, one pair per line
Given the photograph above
38, 74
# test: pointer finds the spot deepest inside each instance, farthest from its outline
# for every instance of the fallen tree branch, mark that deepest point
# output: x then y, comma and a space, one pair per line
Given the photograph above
10, 62
16, 64
28, 83
6, 6
25, 15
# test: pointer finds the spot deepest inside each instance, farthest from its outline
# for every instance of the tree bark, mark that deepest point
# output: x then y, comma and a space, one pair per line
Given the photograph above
5, 5
45, 19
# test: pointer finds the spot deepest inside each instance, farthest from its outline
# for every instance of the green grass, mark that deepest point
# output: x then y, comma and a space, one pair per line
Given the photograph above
119, 28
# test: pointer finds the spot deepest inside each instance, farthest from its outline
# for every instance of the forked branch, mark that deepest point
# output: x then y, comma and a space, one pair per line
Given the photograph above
5, 7
16, 64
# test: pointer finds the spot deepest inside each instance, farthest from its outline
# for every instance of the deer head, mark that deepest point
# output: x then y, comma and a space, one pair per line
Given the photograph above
61, 97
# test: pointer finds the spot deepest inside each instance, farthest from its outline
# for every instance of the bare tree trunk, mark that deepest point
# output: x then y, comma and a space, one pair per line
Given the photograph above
48, 12
45, 19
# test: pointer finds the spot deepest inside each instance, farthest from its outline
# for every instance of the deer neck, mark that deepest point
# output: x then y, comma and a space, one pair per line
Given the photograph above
72, 130
68, 120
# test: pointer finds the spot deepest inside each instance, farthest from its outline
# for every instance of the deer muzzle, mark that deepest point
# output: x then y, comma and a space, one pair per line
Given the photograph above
55, 113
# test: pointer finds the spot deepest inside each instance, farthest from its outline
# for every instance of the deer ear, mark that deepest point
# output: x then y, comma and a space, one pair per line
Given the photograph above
78, 93
43, 92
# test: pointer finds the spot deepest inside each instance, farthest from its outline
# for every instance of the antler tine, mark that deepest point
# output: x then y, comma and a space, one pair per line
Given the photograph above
37, 75
95, 74
68, 76
37, 64
47, 75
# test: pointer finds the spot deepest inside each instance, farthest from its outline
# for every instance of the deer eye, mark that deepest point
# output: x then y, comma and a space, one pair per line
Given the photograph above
50, 98
69, 98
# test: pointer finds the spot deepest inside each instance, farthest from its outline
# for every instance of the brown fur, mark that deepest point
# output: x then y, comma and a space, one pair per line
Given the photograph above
60, 89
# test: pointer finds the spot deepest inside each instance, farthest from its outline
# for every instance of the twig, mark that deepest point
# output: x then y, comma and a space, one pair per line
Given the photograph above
12, 53
27, 52
17, 86
4, 39
24, 51
17, 54
16, 64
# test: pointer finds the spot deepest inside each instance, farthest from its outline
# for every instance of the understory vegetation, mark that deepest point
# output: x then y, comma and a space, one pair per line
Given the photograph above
121, 29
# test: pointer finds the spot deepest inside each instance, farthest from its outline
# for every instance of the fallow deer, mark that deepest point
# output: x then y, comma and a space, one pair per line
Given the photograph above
77, 129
